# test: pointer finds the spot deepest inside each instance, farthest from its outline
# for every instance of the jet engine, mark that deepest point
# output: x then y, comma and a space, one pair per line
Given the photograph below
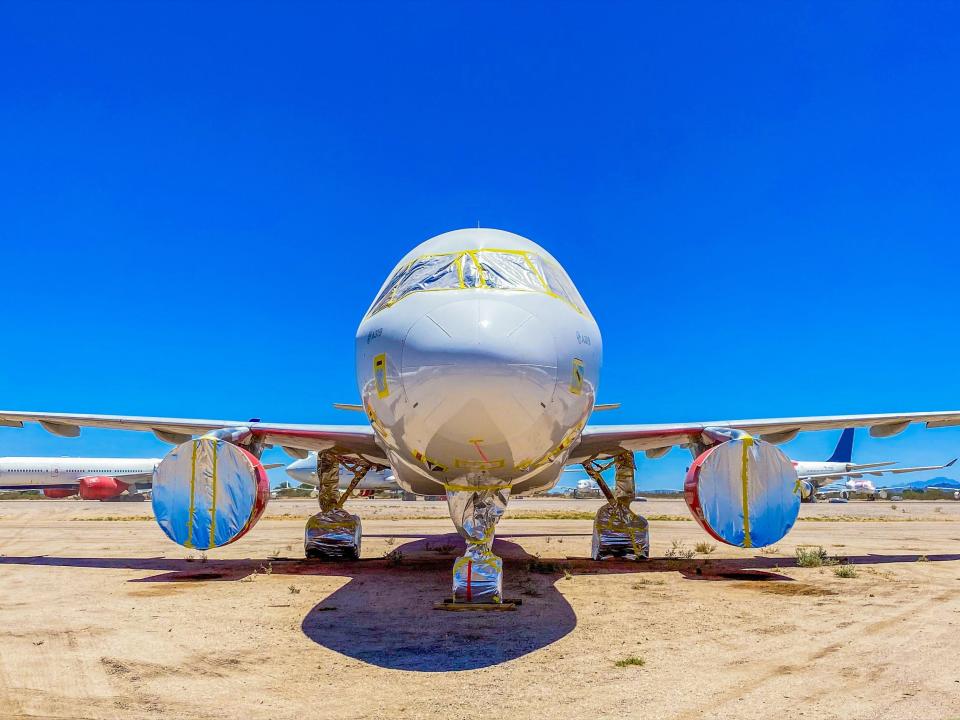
209, 492
743, 491
101, 487
808, 493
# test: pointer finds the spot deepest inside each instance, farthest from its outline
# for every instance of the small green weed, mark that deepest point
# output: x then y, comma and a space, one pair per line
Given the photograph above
679, 551
845, 571
810, 557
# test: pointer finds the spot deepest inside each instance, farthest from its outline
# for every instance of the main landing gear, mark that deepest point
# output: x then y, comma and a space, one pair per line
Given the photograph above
333, 533
617, 530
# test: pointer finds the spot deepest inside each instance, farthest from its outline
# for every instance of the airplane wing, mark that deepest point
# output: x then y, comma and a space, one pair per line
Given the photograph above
877, 473
295, 439
655, 440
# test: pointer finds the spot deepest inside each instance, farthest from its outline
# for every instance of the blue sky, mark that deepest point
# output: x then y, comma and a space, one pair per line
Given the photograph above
758, 201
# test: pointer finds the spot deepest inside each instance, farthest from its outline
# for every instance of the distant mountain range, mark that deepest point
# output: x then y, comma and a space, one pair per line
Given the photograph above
941, 481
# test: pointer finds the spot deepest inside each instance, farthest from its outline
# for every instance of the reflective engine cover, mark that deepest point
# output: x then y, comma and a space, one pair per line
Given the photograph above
743, 492
208, 493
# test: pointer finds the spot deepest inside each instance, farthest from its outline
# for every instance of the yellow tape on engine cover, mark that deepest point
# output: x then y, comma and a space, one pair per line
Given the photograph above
744, 464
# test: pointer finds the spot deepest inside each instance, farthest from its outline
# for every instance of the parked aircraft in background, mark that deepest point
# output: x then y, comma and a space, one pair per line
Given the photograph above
940, 488
305, 471
839, 476
477, 365
88, 478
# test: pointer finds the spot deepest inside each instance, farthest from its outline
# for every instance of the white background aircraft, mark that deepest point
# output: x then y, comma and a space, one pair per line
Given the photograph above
90, 478
305, 471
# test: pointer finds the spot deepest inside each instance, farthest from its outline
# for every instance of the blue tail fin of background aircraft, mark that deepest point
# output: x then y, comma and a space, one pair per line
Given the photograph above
844, 450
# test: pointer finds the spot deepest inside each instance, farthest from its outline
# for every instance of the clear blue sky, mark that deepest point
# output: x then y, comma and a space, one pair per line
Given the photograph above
758, 201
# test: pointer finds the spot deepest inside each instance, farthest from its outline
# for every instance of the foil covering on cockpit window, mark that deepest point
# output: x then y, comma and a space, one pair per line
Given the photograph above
437, 272
475, 510
479, 269
559, 282
508, 271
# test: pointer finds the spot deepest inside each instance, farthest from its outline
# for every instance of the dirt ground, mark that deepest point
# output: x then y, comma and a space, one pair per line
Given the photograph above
102, 617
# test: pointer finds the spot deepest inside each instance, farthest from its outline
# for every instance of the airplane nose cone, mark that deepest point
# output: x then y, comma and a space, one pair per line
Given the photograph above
479, 369
301, 470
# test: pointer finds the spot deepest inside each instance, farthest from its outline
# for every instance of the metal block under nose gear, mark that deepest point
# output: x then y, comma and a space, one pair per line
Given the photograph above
333, 533
617, 530
475, 510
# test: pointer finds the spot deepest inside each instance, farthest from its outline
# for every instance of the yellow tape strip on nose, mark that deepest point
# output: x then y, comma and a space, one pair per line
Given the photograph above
744, 460
476, 488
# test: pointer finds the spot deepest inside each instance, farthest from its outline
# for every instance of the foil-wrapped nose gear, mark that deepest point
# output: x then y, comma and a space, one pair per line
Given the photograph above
475, 510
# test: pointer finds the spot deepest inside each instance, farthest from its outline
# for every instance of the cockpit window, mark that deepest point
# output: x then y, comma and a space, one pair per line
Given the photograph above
478, 269
559, 282
431, 272
508, 271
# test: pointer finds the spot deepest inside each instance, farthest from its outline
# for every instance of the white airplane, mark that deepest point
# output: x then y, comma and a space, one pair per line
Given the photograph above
478, 364
842, 477
587, 488
90, 478
305, 471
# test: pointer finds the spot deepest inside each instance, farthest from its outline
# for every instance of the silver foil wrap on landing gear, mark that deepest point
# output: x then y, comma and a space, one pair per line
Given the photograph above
332, 535
620, 532
478, 575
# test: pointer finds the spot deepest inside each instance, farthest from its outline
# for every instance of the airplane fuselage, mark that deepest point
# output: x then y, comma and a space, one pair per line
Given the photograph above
806, 467
478, 363
39, 472
305, 471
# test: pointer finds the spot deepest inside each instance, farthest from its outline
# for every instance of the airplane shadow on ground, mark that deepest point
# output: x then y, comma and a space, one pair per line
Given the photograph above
384, 615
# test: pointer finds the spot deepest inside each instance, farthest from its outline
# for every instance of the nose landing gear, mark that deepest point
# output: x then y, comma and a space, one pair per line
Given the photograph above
333, 533
475, 510
617, 530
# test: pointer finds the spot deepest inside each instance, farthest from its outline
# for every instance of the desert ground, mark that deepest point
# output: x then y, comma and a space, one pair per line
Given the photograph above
102, 617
